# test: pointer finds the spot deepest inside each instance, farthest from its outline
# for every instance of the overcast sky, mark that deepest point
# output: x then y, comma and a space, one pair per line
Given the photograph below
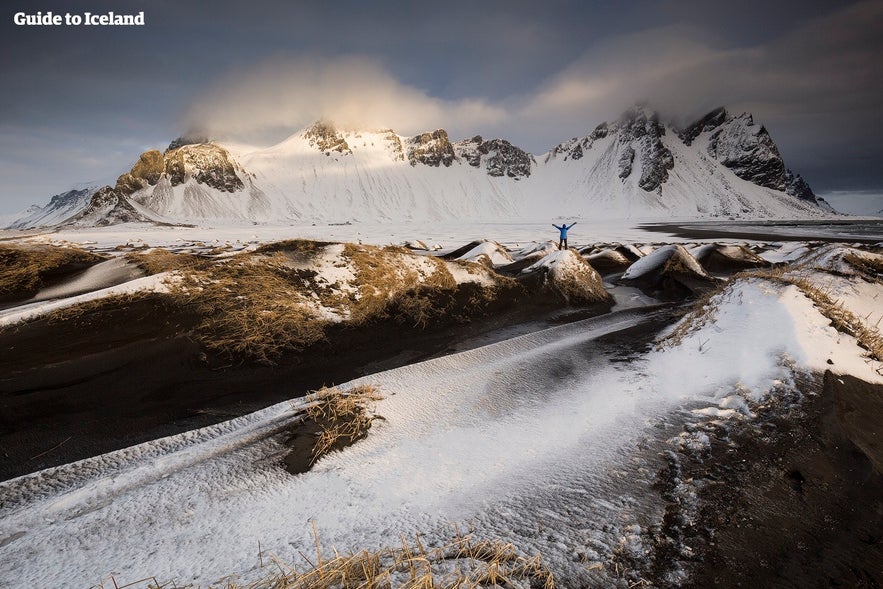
79, 104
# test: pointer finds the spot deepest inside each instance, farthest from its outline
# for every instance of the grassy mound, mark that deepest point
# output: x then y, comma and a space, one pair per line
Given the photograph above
24, 270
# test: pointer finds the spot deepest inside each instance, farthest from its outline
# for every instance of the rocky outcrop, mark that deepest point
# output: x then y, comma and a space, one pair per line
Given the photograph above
637, 148
395, 145
109, 206
709, 122
431, 149
207, 163
576, 147
146, 172
326, 138
641, 131
500, 157
747, 149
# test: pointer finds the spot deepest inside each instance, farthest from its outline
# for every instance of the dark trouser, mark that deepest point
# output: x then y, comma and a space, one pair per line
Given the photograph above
562, 245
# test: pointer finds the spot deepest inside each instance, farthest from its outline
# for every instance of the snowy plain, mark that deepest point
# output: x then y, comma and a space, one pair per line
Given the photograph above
542, 440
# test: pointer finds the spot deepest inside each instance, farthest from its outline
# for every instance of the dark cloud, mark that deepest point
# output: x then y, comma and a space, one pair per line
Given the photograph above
76, 100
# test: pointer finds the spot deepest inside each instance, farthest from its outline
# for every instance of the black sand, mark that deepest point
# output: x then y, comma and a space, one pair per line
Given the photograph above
793, 498
75, 389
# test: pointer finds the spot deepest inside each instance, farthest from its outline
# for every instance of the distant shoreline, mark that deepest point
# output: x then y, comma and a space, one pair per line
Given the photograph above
866, 231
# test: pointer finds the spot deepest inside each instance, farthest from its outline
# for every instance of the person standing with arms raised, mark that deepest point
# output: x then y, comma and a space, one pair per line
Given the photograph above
562, 242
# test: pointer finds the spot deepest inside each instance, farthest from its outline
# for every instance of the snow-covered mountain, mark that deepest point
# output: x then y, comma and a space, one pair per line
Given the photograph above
636, 166
59, 209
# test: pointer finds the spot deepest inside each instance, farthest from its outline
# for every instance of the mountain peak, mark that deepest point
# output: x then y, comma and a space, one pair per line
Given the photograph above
324, 136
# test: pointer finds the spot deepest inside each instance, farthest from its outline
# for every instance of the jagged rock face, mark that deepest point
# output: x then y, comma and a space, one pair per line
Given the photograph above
576, 147
748, 150
60, 208
326, 138
146, 172
431, 149
711, 121
108, 207
796, 186
642, 132
501, 157
206, 163
395, 143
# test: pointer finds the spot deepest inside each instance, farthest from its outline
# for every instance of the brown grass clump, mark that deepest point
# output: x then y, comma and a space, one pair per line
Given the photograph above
462, 563
24, 270
304, 247
869, 267
249, 309
701, 312
159, 260
343, 416
388, 287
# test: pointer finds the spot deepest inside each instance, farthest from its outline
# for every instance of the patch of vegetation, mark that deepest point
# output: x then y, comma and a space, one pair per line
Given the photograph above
463, 562
343, 417
869, 267
24, 270
304, 247
248, 308
158, 260
390, 287
258, 306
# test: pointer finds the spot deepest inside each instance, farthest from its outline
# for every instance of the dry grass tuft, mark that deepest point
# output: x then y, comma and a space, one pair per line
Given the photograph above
26, 269
343, 416
249, 308
462, 563
842, 319
390, 287
159, 260
702, 312
869, 267
303, 247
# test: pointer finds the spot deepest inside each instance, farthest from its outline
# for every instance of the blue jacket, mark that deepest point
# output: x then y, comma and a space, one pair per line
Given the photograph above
563, 229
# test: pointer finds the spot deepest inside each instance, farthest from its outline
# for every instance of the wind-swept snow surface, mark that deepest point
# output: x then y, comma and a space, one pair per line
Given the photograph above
541, 440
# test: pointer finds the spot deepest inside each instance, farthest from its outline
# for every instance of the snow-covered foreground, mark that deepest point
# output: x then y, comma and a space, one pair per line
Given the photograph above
543, 440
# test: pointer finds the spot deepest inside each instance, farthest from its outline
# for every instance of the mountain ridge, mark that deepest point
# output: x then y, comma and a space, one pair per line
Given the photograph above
637, 165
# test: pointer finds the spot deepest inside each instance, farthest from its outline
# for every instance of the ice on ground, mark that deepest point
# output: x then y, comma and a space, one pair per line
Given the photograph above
540, 428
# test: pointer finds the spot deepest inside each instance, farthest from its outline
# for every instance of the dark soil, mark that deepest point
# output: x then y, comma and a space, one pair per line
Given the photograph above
793, 498
111, 379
